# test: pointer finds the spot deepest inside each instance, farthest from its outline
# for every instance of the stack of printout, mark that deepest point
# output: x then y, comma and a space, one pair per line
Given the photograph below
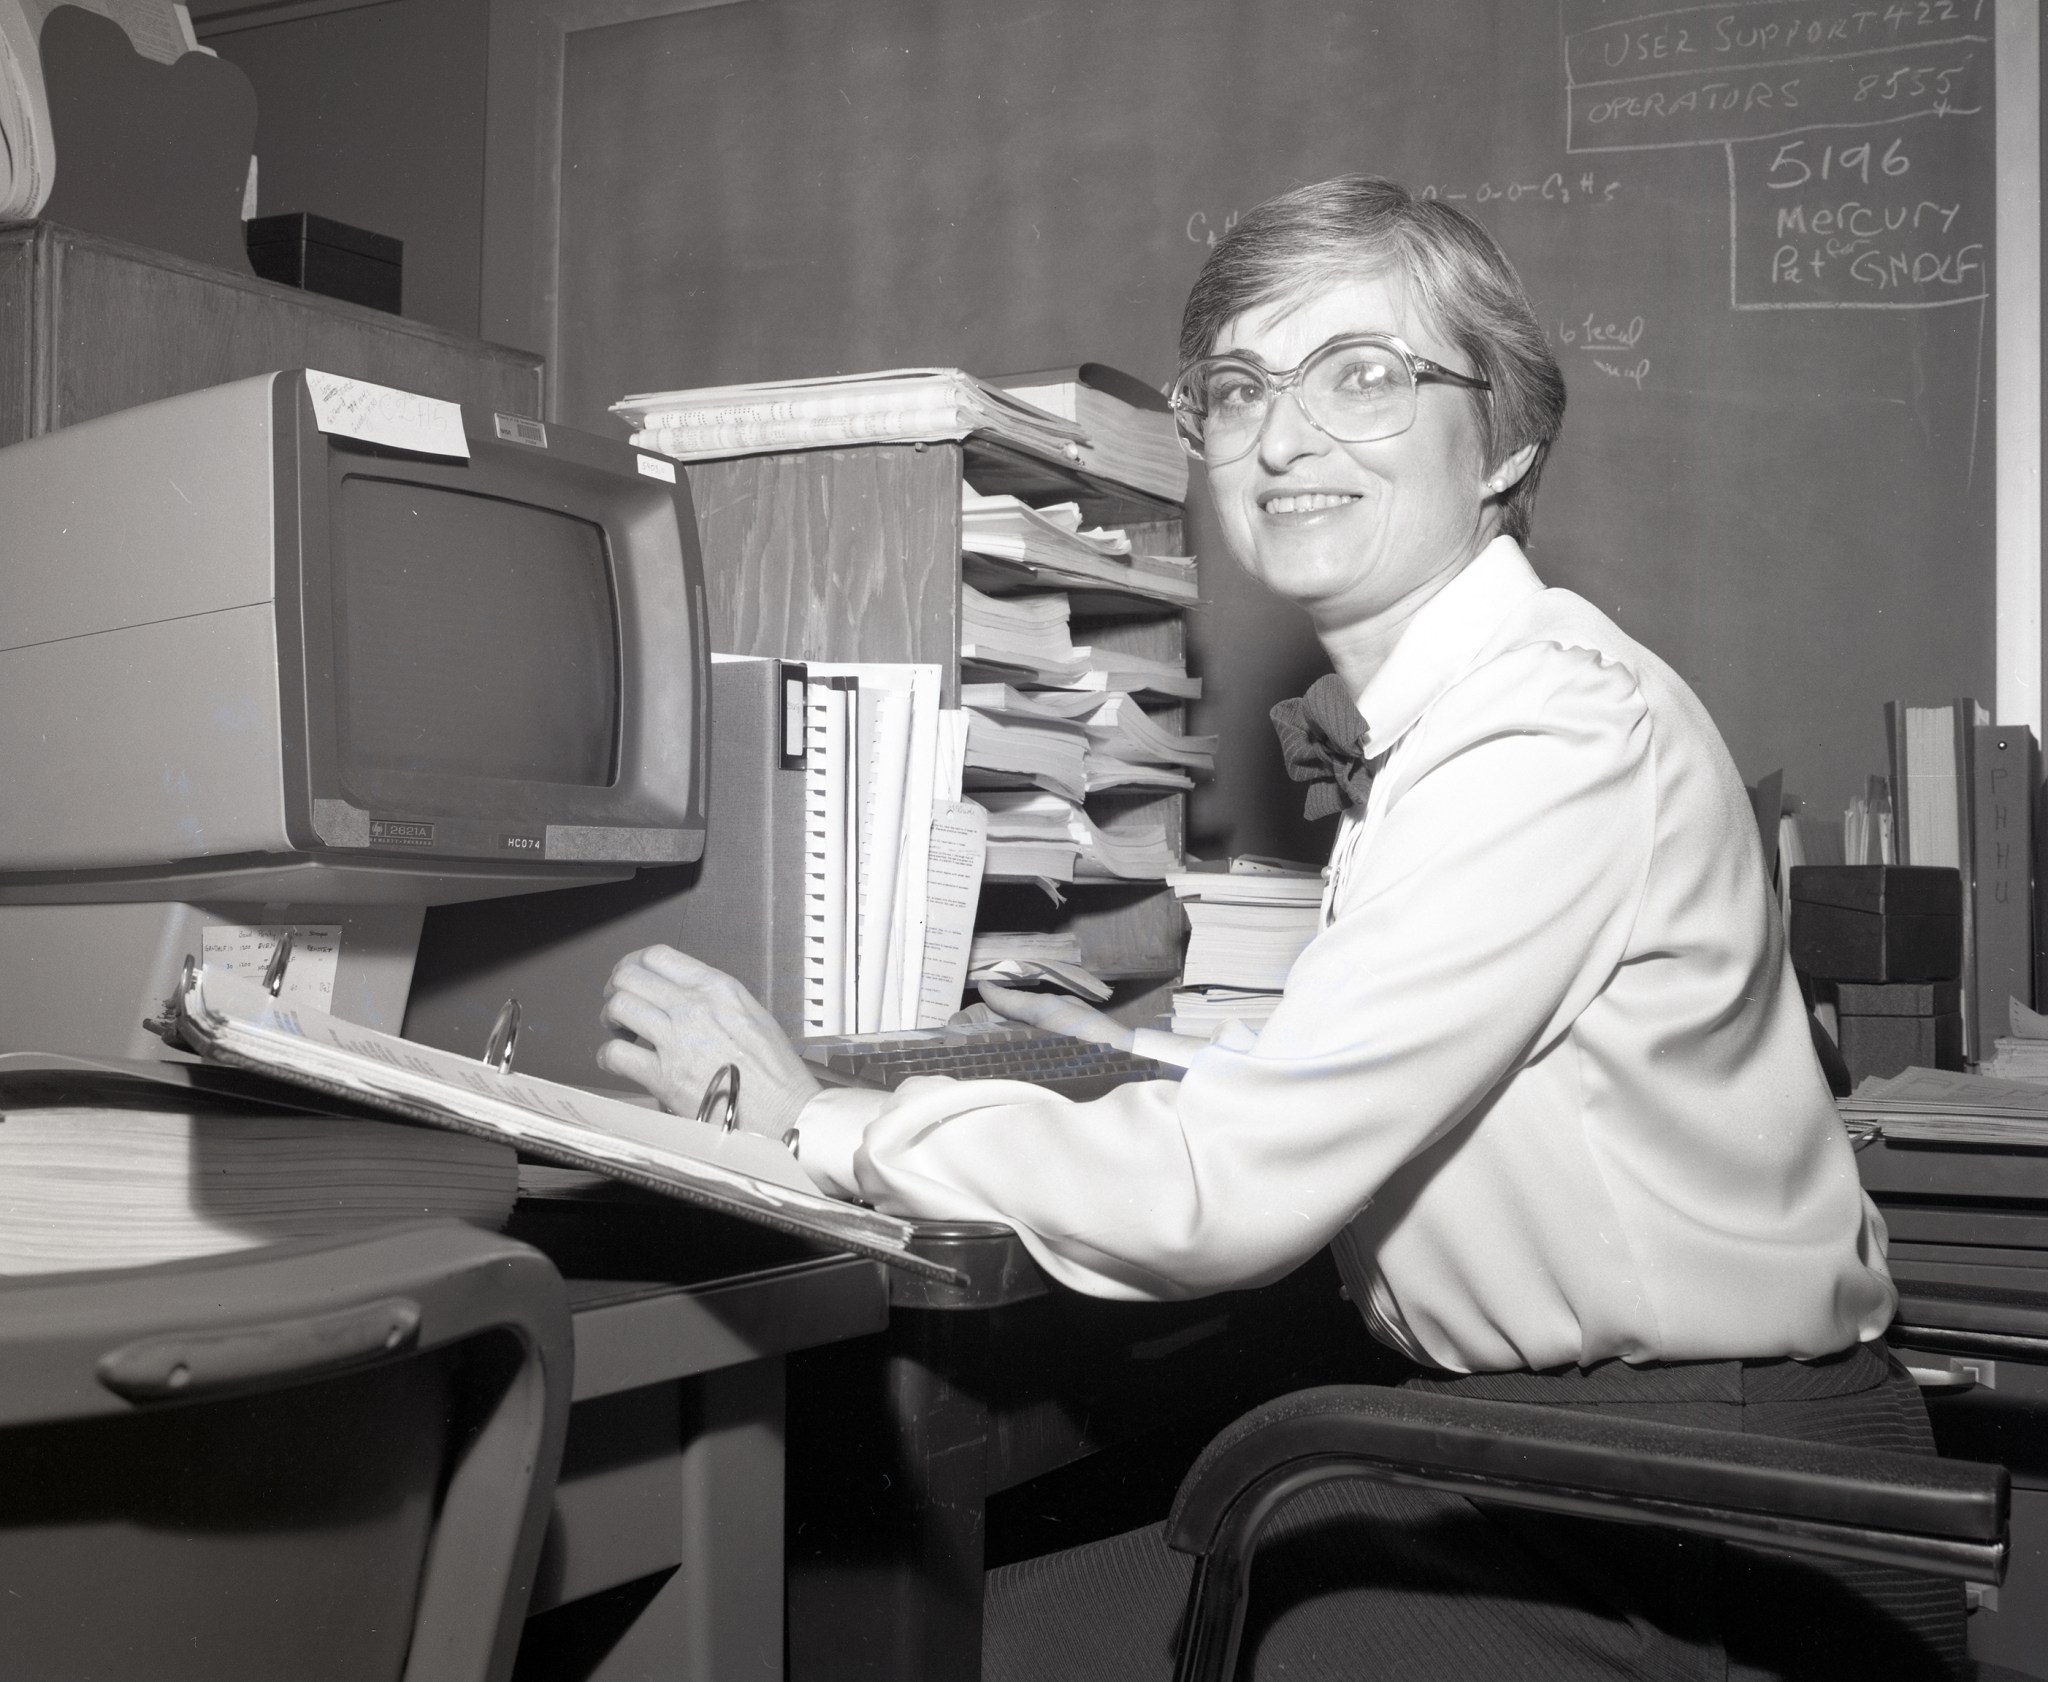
2023, 1053
1126, 746
1024, 960
1943, 1105
1027, 637
156, 1180
1013, 741
1051, 547
1128, 428
1035, 822
1247, 926
901, 405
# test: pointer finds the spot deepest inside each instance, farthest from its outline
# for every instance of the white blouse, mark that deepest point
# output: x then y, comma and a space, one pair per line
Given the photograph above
1543, 1080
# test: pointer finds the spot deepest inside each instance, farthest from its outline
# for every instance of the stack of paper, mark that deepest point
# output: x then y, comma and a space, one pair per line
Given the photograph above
1027, 959
1028, 633
1128, 429
1123, 738
1049, 546
1009, 745
901, 405
2023, 1053
1940, 1104
90, 1187
1246, 930
1203, 1013
1017, 818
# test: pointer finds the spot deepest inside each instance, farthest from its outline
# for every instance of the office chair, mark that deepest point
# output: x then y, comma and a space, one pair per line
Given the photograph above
1943, 1517
325, 1459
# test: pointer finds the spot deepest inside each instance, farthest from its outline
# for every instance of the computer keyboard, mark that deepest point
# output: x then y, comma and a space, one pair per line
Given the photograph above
1073, 1068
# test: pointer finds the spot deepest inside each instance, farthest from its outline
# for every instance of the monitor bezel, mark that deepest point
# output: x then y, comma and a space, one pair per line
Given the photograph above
653, 808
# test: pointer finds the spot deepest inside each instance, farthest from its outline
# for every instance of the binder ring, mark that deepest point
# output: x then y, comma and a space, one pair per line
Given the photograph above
724, 1088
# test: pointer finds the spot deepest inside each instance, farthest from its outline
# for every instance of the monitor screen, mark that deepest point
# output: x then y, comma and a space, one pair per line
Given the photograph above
476, 636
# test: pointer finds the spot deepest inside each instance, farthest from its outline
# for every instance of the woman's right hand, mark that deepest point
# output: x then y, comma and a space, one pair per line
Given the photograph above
1057, 1013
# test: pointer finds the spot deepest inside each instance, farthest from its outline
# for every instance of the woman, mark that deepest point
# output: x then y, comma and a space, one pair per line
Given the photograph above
1542, 1081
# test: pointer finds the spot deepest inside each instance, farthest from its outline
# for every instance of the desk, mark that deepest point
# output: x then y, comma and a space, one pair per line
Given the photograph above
664, 1553
1974, 1219
898, 1442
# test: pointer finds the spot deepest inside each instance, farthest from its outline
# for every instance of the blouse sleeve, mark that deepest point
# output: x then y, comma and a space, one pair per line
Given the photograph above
1504, 853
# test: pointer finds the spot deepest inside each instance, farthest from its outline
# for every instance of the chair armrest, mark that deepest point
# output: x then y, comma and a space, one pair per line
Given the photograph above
1940, 1516
2000, 1321
1944, 1517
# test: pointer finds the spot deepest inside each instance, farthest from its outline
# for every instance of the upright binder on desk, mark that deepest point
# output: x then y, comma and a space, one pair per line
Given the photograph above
743, 1174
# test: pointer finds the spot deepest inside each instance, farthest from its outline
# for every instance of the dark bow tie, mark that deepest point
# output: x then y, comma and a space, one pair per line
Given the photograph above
1321, 739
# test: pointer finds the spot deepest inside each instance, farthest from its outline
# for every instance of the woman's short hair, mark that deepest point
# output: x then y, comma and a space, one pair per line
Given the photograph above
1323, 235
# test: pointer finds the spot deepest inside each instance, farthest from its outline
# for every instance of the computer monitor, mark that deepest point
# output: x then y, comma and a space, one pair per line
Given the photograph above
255, 672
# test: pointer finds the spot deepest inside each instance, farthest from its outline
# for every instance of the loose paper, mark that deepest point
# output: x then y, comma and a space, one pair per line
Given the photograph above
244, 951
953, 889
379, 414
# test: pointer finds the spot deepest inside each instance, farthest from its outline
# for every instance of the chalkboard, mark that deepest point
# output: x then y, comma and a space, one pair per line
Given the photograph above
1759, 233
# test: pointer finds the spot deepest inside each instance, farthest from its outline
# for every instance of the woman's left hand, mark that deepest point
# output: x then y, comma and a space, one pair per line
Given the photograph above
677, 1021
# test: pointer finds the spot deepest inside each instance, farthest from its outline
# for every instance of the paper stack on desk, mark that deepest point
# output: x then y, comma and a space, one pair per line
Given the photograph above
1247, 927
1940, 1104
1038, 821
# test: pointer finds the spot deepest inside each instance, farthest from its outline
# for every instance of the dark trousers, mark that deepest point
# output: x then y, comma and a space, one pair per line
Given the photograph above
1357, 1580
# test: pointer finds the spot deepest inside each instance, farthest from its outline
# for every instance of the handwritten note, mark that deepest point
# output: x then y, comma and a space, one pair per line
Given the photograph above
379, 414
244, 951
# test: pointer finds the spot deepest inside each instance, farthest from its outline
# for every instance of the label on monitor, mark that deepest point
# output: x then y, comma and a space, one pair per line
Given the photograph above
657, 467
395, 832
517, 429
381, 414
533, 846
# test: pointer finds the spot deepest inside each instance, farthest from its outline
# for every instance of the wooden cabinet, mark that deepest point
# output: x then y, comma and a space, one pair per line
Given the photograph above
90, 325
854, 554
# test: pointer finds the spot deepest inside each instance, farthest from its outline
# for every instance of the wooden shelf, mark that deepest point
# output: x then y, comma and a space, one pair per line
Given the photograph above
854, 554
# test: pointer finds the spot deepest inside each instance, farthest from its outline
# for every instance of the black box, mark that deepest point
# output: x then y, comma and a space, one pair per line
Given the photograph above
1877, 922
1883, 1045
331, 258
1899, 998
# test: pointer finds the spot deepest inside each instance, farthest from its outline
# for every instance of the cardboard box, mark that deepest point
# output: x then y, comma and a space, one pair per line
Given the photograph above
1877, 922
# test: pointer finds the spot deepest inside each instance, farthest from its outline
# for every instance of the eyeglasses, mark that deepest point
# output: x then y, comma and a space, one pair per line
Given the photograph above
1355, 389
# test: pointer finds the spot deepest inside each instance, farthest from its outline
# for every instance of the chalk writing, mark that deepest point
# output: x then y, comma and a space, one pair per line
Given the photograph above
1611, 343
1204, 232
1859, 224
1703, 75
1554, 189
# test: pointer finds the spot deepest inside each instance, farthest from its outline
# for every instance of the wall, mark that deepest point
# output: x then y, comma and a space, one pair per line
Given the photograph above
373, 115
1780, 481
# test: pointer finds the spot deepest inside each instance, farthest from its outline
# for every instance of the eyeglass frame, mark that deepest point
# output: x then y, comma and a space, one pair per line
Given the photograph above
1421, 371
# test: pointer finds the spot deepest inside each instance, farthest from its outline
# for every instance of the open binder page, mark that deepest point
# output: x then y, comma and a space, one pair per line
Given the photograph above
237, 1022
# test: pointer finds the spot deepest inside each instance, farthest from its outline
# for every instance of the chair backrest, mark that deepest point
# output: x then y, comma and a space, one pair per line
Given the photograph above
322, 1459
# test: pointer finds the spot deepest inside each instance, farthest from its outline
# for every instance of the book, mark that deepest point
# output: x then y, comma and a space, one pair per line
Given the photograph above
898, 405
1933, 759
148, 1180
2005, 771
237, 1023
1127, 428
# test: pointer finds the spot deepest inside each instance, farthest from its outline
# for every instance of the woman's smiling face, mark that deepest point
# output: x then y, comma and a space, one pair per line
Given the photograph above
1350, 531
